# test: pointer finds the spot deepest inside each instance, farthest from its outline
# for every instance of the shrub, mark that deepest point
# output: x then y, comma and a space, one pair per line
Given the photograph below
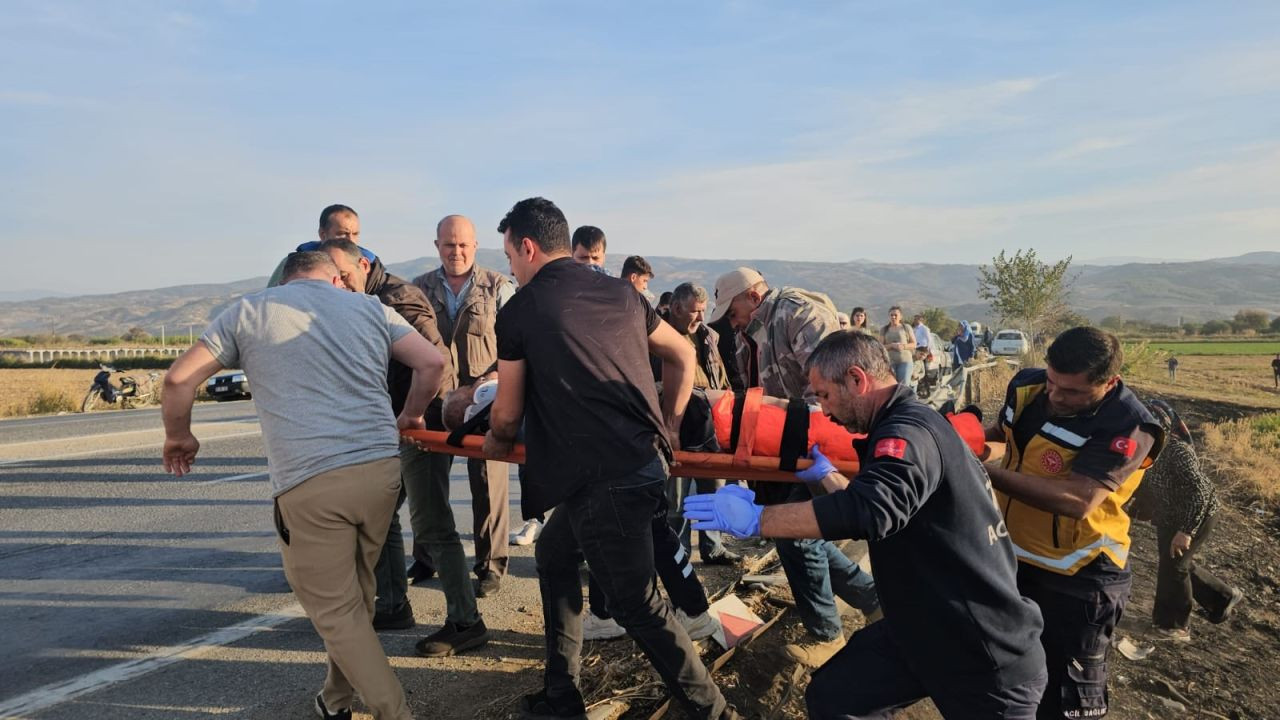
48, 402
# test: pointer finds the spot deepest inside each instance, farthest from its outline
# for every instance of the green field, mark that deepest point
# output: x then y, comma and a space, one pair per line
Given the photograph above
1218, 347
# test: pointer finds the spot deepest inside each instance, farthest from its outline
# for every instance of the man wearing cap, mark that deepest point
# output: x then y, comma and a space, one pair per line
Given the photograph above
783, 326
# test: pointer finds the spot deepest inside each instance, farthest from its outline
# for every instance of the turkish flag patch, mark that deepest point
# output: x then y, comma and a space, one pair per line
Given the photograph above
1125, 446
891, 447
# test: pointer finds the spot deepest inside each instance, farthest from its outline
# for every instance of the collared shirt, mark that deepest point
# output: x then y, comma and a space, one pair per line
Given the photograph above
922, 335
452, 302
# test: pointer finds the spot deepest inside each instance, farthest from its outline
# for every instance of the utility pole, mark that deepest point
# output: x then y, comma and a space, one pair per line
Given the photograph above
162, 336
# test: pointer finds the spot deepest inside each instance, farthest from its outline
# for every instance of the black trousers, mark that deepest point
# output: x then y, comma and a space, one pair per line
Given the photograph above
1180, 580
675, 569
1080, 614
610, 524
870, 678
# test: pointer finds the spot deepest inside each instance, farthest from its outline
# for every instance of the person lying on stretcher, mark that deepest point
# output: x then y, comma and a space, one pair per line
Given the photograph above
709, 423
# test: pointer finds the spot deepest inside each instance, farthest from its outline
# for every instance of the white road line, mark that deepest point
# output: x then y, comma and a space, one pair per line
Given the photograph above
104, 451
60, 692
233, 478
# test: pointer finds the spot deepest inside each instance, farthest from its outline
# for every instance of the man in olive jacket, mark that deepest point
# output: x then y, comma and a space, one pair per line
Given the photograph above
466, 299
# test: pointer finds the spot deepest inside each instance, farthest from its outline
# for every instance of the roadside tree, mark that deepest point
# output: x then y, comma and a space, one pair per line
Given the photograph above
1025, 291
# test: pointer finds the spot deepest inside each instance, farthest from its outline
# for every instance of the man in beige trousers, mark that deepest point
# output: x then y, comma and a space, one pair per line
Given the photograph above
318, 357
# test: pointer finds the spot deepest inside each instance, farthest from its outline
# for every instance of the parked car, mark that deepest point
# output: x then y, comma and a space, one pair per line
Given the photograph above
1010, 342
228, 386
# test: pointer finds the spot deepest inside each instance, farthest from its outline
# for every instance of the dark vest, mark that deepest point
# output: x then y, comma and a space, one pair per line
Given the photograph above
469, 335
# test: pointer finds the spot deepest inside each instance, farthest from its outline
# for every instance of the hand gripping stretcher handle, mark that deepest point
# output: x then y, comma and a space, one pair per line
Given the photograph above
690, 464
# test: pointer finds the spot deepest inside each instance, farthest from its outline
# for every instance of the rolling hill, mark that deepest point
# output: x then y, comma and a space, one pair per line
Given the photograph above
1162, 292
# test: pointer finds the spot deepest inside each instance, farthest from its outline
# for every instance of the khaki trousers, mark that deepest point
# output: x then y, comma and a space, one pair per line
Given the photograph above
331, 528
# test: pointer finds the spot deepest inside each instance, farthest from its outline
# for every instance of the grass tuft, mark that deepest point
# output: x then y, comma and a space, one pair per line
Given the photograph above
1244, 455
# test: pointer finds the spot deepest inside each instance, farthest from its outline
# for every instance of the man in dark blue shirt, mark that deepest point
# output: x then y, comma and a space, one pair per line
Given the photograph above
573, 367
955, 628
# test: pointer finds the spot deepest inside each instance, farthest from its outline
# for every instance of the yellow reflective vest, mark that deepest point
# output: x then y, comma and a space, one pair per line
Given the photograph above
1054, 542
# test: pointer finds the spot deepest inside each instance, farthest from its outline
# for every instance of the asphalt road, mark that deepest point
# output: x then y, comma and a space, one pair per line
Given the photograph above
125, 592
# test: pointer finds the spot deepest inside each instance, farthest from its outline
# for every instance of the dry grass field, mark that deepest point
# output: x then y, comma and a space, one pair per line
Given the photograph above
45, 391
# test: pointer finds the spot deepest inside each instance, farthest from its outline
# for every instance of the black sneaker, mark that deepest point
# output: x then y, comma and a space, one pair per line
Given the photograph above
399, 619
451, 640
1221, 617
488, 584
540, 707
323, 711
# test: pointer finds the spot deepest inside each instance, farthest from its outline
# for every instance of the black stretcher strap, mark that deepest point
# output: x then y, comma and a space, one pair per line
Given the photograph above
474, 426
739, 399
795, 435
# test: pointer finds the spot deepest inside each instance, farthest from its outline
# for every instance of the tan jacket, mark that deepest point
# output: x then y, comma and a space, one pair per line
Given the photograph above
470, 337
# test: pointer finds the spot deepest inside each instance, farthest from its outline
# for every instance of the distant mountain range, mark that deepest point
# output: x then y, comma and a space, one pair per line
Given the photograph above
1158, 292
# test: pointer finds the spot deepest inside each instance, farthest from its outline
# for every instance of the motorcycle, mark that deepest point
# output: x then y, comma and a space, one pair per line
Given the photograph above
129, 393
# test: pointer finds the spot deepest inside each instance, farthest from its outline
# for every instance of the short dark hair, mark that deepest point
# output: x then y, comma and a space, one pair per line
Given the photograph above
347, 247
332, 210
589, 236
539, 220
301, 263
844, 349
665, 298
1091, 351
636, 264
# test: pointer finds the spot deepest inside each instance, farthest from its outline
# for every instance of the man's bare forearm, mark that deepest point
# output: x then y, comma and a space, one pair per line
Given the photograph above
422, 388
792, 520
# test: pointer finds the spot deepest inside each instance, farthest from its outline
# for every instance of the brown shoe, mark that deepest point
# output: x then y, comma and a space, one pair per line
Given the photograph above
812, 652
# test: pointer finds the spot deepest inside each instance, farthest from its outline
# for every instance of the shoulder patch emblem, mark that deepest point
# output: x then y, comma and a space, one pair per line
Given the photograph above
890, 447
1051, 461
1125, 446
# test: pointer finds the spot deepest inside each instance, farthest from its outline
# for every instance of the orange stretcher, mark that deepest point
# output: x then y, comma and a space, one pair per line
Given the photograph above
688, 464
756, 456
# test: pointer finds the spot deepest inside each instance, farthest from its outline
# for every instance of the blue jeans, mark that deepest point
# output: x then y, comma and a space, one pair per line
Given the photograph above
818, 572
902, 371
610, 523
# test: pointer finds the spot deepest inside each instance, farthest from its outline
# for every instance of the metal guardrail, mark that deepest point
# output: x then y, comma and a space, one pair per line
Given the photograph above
39, 355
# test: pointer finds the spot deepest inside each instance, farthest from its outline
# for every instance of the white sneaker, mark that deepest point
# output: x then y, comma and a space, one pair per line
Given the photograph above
698, 626
597, 628
527, 534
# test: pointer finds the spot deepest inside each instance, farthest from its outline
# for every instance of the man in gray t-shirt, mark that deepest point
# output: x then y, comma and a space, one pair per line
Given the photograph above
318, 357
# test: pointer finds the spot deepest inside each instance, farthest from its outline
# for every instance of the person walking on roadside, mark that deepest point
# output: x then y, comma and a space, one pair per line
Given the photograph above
785, 325
1181, 502
900, 341
318, 356
573, 371
425, 474
1078, 443
955, 627
466, 299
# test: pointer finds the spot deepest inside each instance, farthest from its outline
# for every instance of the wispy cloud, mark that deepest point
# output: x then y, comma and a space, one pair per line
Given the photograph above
1089, 146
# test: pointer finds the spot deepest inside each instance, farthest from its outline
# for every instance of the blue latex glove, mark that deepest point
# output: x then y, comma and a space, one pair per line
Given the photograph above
820, 468
726, 510
741, 491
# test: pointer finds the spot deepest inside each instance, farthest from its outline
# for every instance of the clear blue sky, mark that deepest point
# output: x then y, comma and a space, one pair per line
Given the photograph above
152, 143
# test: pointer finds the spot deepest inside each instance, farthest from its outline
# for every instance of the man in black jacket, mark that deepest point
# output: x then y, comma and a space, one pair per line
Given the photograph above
955, 627
425, 475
